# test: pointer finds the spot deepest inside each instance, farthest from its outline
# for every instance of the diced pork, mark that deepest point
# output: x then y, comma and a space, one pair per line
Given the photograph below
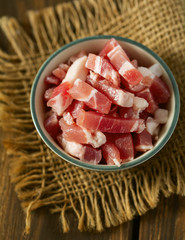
103, 123
151, 125
117, 95
101, 66
74, 133
143, 141
161, 115
111, 154
82, 91
84, 153
120, 61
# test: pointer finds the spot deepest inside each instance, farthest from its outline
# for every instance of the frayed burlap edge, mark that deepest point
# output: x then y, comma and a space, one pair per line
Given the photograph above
115, 197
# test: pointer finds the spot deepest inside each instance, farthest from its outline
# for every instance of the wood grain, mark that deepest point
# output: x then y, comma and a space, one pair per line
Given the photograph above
167, 221
45, 226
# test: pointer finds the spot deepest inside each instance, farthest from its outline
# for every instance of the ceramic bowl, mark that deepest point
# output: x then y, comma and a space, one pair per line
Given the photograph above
145, 57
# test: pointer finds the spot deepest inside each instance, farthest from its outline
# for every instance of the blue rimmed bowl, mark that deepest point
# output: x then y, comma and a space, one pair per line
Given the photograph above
145, 57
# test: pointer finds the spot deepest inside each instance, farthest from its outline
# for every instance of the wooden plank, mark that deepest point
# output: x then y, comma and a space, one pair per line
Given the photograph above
167, 221
45, 226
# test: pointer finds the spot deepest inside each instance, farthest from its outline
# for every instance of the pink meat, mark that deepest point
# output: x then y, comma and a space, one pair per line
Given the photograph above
134, 63
51, 125
60, 98
112, 43
146, 94
160, 91
51, 79
117, 95
59, 73
84, 153
75, 107
103, 123
48, 93
125, 112
120, 61
143, 141
124, 143
111, 154
94, 99
101, 66
74, 133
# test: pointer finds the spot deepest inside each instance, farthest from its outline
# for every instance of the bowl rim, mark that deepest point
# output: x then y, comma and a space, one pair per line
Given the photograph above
101, 167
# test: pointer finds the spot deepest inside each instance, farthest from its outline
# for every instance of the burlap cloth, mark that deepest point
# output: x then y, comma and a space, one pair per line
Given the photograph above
41, 178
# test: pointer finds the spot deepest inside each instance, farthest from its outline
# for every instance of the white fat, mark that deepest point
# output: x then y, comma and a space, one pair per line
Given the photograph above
156, 70
126, 66
116, 162
98, 63
113, 51
114, 77
93, 76
96, 138
151, 125
124, 99
161, 115
92, 94
77, 70
144, 148
68, 118
140, 103
58, 105
134, 127
146, 72
73, 148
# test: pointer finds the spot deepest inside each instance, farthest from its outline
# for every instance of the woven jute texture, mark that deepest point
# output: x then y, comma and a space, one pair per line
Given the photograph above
98, 200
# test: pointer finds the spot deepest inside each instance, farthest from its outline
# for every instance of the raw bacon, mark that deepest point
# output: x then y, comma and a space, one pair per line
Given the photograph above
103, 123
120, 61
51, 125
60, 98
156, 69
111, 44
77, 70
111, 154
105, 108
128, 112
146, 94
101, 66
143, 141
159, 91
75, 107
116, 95
84, 153
52, 80
151, 125
161, 115
94, 99
48, 93
124, 143
74, 133
59, 73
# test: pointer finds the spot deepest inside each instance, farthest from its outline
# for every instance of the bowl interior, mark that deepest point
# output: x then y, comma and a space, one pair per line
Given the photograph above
135, 50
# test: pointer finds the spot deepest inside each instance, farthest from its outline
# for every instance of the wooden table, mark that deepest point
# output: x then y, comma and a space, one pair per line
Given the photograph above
166, 222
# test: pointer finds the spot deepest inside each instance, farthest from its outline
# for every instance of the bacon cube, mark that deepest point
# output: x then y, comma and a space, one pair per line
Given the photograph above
101, 66
143, 141
94, 99
103, 123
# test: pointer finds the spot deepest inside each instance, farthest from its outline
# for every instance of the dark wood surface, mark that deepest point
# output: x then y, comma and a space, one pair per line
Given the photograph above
167, 221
